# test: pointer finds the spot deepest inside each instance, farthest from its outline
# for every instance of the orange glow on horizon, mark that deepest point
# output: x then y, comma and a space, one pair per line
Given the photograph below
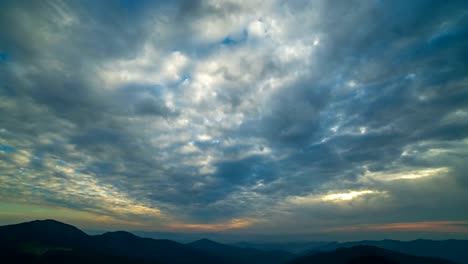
430, 226
233, 224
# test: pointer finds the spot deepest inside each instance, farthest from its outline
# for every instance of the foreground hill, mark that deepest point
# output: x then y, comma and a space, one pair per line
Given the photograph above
298, 248
455, 250
232, 254
49, 232
49, 241
364, 255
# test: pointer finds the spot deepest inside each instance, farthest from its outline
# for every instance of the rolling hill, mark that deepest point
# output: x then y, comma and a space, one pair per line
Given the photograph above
232, 254
50, 241
366, 254
454, 250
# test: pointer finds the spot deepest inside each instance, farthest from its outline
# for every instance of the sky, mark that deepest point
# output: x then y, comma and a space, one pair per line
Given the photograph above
325, 119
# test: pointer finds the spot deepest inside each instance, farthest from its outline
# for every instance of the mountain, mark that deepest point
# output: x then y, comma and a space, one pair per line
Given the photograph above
232, 254
47, 231
49, 241
152, 249
366, 254
292, 247
455, 250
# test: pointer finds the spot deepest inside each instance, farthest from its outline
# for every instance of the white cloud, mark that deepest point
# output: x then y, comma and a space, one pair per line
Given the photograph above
406, 174
316, 199
150, 66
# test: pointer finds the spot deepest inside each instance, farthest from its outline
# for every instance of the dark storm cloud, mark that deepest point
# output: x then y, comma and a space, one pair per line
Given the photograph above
138, 111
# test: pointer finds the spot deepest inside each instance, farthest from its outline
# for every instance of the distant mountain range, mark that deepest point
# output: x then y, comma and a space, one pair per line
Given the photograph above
50, 241
299, 248
454, 250
232, 254
366, 254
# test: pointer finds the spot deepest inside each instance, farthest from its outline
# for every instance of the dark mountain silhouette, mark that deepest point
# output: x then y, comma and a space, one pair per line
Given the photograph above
455, 250
232, 254
49, 241
292, 247
152, 249
46, 231
366, 254
70, 257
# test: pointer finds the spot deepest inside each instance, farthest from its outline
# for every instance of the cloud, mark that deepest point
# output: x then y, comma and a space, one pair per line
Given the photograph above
237, 115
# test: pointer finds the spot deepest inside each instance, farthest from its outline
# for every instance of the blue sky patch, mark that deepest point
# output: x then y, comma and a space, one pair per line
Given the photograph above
3, 56
6, 148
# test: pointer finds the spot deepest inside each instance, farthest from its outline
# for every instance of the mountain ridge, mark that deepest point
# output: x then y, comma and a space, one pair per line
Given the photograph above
366, 254
452, 249
121, 244
232, 254
51, 241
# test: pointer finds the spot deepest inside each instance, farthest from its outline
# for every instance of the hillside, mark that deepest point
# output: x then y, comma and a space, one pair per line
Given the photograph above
232, 254
455, 250
366, 254
50, 241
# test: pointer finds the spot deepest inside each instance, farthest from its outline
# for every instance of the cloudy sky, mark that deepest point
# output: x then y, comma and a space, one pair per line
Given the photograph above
243, 117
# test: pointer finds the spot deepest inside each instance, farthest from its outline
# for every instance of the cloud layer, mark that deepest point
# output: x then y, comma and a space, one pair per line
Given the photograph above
268, 117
